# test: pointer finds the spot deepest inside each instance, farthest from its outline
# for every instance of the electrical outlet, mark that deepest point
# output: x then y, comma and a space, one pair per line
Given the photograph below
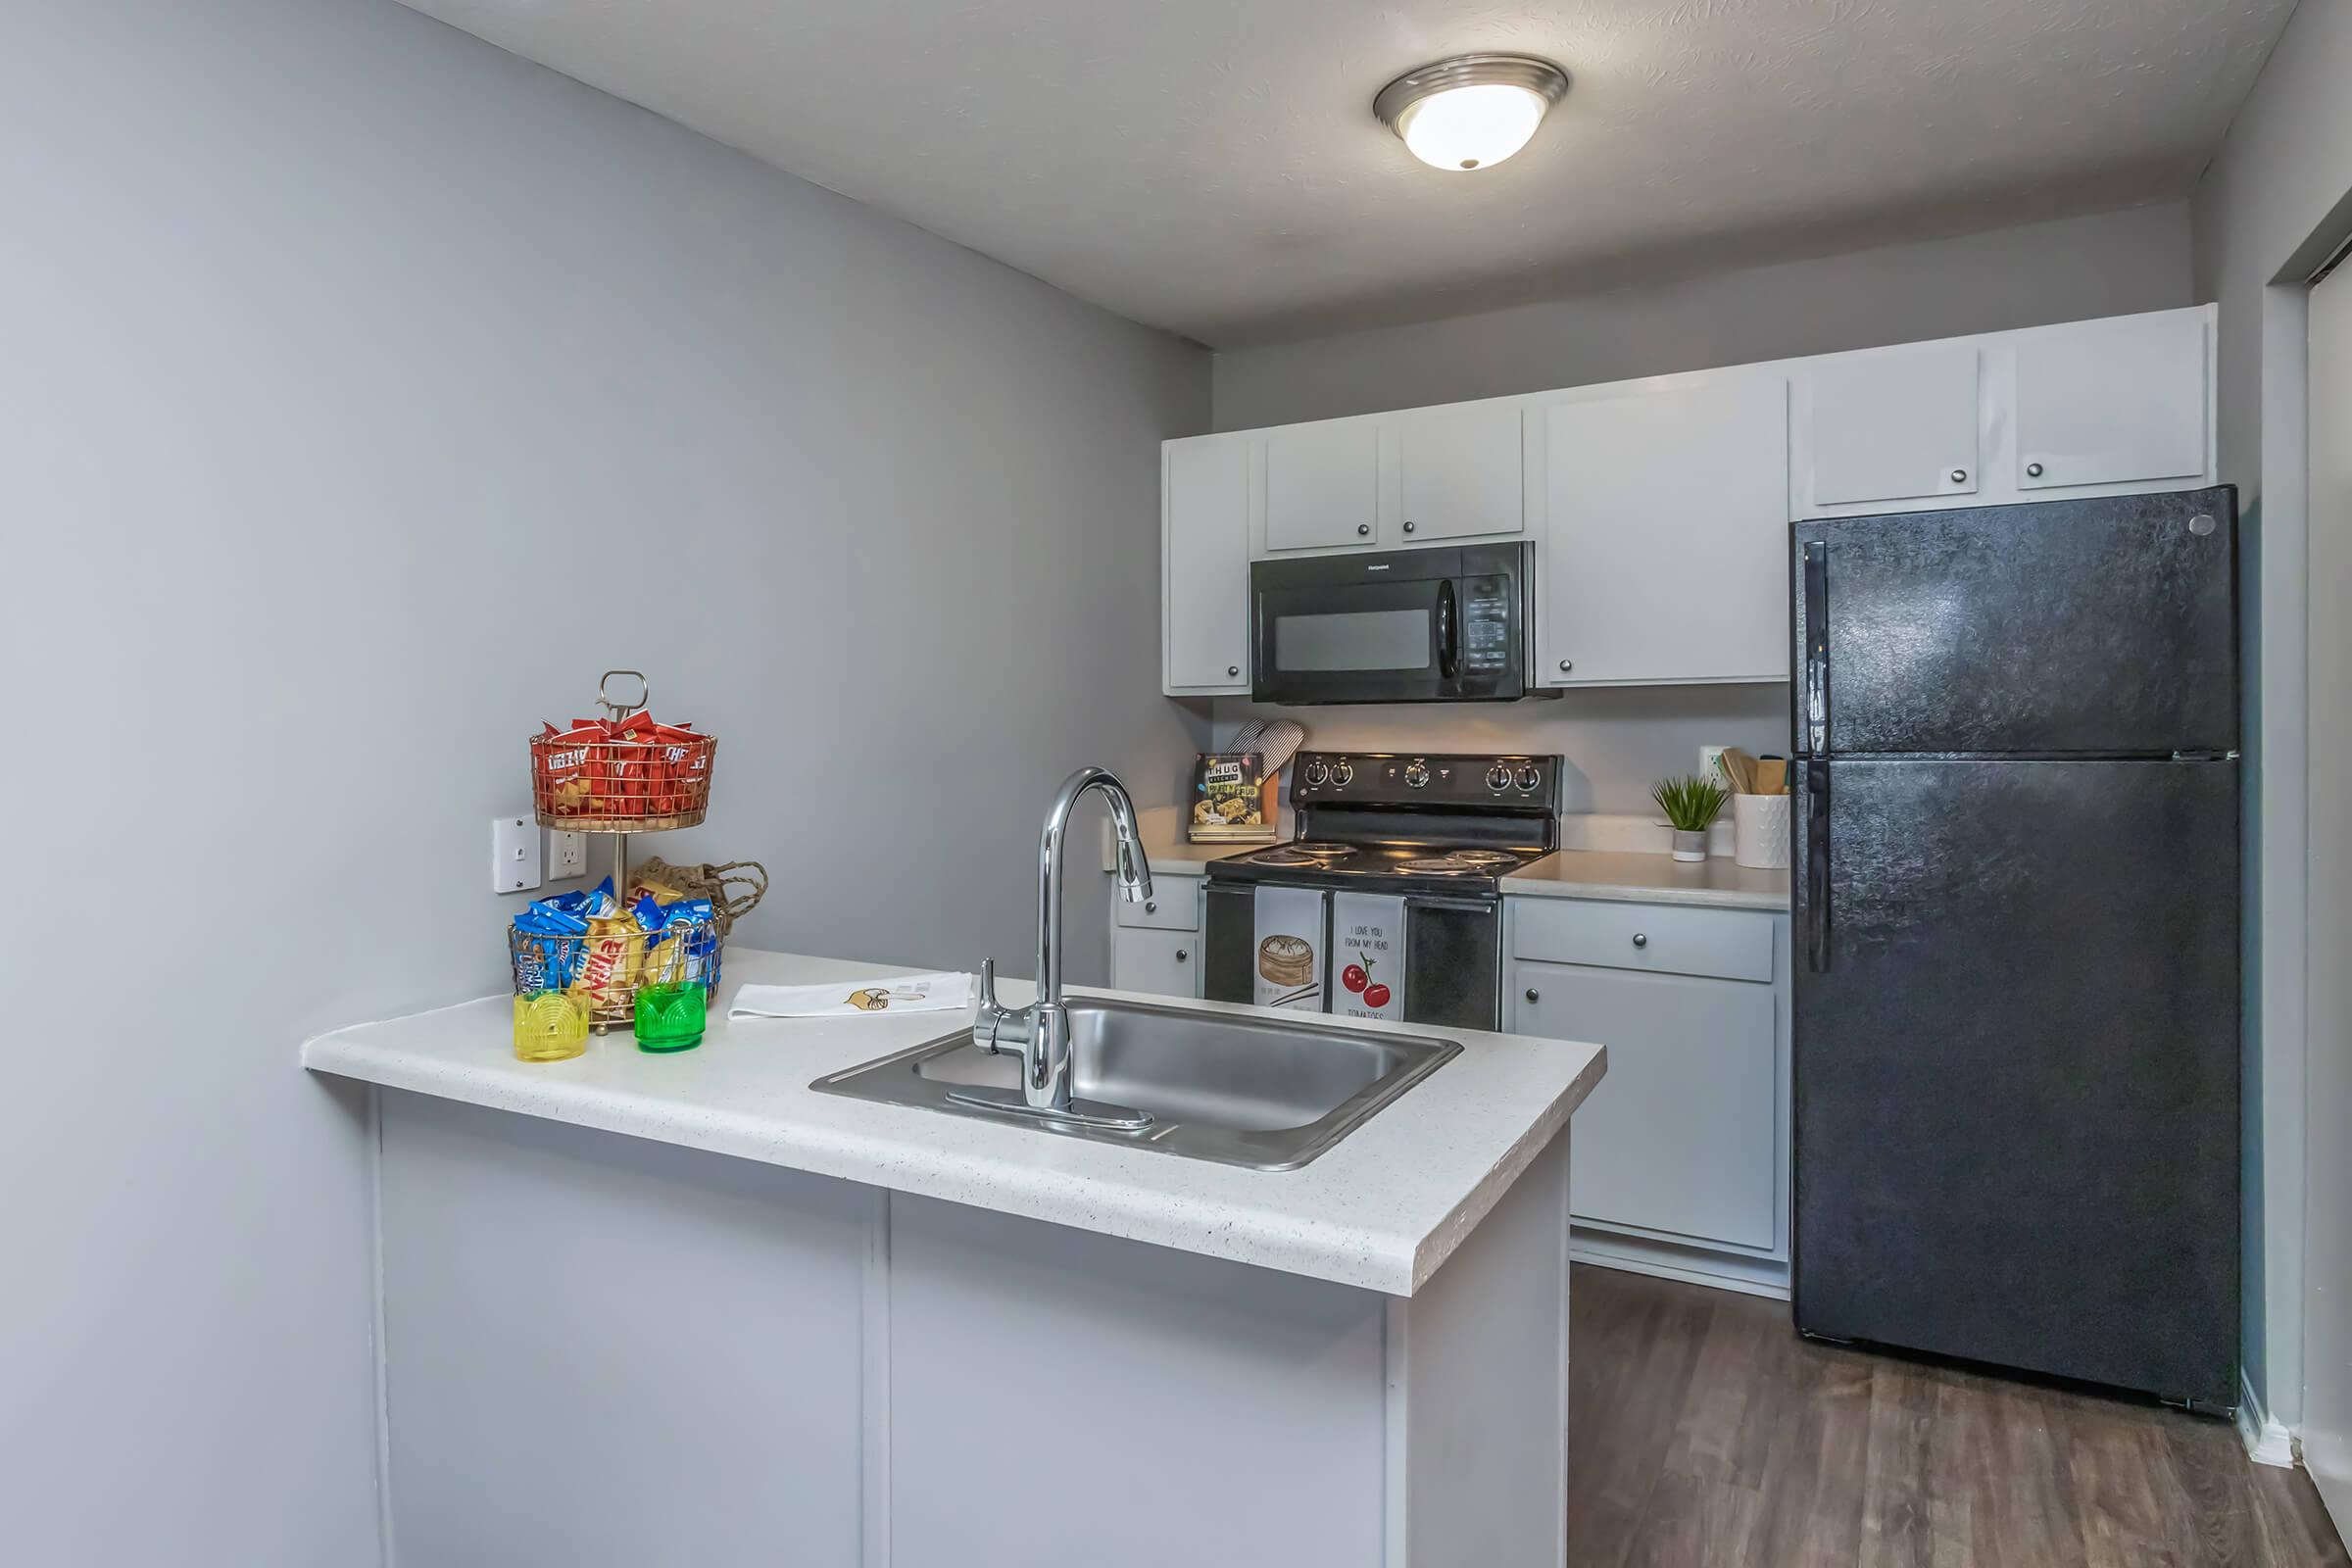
567, 854
513, 855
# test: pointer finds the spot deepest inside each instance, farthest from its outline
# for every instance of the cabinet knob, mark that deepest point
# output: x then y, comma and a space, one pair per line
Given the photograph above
1151, 906
1959, 476
1232, 670
2032, 471
1567, 664
1641, 939
1181, 956
1362, 528
1533, 995
1408, 527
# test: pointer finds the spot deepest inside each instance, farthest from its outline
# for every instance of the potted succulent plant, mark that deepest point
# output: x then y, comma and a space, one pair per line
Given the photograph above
1692, 806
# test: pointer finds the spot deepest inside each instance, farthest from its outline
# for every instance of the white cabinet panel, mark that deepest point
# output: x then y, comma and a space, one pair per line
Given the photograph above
1164, 963
1204, 541
1665, 535
1663, 938
1679, 1136
1893, 424
2112, 401
1323, 485
1174, 906
1459, 473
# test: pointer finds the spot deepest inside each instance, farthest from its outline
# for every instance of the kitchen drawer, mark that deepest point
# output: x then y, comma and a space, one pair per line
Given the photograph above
1664, 937
1174, 906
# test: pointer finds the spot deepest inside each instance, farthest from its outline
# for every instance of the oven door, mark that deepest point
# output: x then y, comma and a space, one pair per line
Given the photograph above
1452, 955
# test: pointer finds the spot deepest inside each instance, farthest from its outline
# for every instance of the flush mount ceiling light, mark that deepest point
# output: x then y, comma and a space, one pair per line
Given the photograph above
1470, 111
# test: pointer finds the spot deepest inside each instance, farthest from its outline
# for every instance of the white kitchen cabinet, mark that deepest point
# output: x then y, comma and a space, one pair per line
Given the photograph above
2113, 403
1323, 485
1164, 963
1886, 426
1204, 561
1680, 1139
1459, 473
1665, 535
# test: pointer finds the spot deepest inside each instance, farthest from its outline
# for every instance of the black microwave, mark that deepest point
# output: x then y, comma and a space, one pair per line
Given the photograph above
1435, 625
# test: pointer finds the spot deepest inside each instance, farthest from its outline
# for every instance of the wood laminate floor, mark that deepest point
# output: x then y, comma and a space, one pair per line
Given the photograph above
1703, 1431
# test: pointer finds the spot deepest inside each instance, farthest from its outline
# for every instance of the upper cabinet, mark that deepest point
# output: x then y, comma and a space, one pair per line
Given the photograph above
1204, 564
1665, 535
1459, 473
2113, 403
1322, 485
1659, 509
1892, 425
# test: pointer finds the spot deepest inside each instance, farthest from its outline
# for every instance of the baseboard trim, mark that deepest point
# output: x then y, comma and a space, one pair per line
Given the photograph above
1689, 1266
2267, 1441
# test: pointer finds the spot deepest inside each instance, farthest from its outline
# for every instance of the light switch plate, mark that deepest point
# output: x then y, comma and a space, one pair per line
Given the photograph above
567, 854
513, 855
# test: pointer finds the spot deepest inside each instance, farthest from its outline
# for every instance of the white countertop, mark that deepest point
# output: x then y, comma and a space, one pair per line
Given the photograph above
1636, 878
1381, 1211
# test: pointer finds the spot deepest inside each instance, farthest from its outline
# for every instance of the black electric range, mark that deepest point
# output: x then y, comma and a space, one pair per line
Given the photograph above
1438, 833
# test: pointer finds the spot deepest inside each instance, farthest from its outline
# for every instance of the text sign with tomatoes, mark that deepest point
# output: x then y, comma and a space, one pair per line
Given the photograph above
1367, 956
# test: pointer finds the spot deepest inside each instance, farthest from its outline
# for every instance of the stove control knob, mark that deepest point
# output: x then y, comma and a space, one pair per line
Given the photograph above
1416, 774
1527, 778
1498, 777
1318, 774
1342, 772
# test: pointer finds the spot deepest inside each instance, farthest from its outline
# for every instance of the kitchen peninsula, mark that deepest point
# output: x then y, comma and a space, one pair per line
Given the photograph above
689, 1309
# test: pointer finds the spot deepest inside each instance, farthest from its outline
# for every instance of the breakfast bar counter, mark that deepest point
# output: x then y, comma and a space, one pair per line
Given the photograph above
641, 1309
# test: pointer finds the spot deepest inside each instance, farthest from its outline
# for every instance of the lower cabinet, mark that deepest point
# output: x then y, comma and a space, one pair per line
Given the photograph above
1165, 963
1678, 1162
1156, 947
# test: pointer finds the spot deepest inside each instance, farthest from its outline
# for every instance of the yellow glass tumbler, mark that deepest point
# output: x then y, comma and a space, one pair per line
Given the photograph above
550, 1025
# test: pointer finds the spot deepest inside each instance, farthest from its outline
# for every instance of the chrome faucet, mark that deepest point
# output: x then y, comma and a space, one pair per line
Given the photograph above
1041, 1030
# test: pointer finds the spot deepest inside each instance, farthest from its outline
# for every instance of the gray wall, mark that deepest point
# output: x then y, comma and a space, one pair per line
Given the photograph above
2271, 209
2105, 264
366, 391
1617, 742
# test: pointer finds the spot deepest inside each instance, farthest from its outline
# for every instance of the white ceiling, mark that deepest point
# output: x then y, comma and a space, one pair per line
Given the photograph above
1213, 166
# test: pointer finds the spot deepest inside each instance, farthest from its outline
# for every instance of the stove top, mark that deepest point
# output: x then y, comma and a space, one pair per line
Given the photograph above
1397, 822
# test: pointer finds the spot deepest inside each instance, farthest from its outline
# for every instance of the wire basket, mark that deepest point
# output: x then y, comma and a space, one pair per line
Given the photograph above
615, 957
623, 774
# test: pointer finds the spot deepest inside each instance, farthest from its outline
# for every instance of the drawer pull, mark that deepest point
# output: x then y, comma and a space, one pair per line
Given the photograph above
1181, 956
1641, 939
1151, 906
1533, 995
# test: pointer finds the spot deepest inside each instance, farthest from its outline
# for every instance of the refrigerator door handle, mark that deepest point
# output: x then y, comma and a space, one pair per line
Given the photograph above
1817, 864
1817, 648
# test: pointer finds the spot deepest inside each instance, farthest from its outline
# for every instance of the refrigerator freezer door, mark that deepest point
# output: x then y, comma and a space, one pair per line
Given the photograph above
2016, 1087
2081, 627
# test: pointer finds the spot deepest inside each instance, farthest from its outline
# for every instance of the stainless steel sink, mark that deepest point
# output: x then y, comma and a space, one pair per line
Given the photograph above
1235, 1090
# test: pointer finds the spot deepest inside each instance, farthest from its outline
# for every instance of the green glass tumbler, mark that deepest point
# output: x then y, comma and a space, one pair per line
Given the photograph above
670, 1017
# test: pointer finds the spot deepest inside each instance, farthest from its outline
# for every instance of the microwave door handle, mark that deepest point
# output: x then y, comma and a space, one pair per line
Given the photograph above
1449, 633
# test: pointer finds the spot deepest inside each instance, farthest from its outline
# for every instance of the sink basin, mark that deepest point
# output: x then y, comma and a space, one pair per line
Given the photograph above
1235, 1090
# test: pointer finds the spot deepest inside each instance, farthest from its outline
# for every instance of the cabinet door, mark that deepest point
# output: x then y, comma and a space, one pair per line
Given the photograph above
1323, 485
1679, 1136
1459, 473
1666, 535
1893, 424
2119, 402
1164, 963
1204, 542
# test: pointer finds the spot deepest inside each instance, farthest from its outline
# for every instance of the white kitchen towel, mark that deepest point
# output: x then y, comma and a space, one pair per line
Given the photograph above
1367, 954
1287, 963
846, 999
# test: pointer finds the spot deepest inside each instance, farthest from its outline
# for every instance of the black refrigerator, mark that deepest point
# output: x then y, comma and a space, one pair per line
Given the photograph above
2016, 922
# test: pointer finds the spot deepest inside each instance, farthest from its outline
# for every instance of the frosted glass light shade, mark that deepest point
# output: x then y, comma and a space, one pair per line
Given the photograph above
1470, 112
